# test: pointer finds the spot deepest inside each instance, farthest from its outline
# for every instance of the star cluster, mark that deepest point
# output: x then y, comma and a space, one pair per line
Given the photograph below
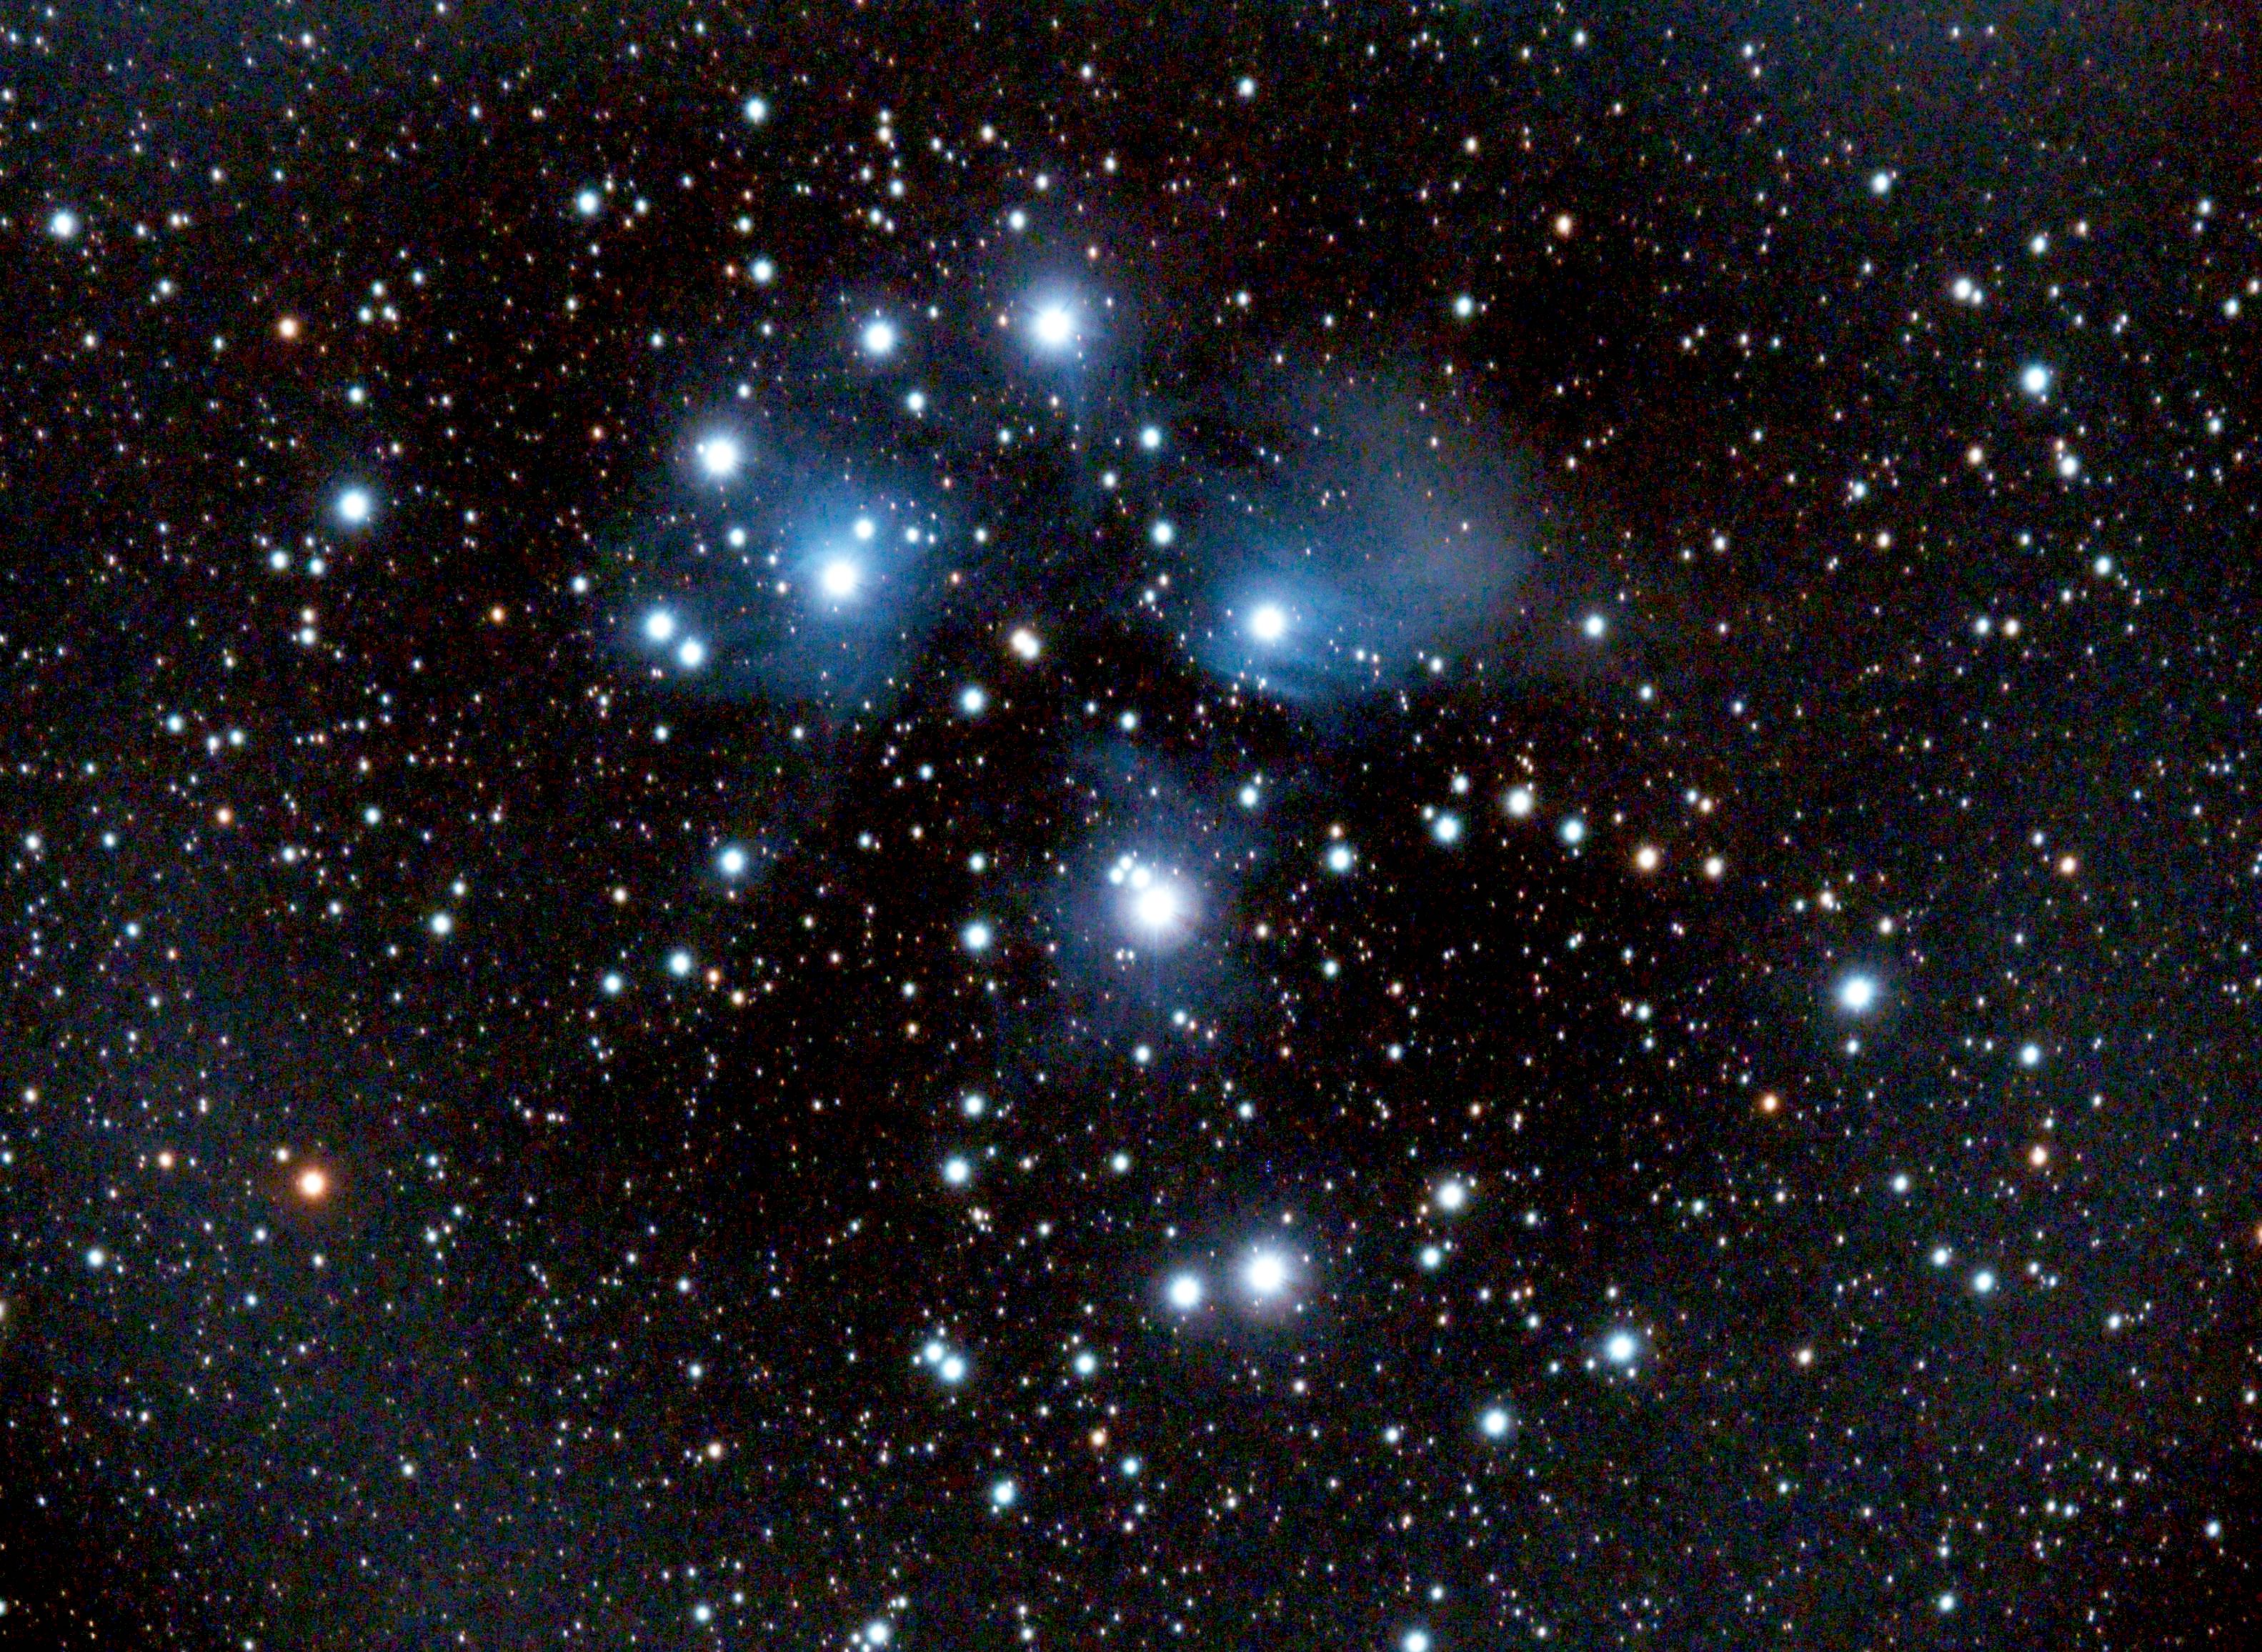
903, 826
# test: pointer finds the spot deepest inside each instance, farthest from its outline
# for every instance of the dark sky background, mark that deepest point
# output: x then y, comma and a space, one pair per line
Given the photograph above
1403, 827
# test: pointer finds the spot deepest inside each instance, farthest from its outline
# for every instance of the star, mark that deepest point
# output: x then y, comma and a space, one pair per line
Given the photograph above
839, 577
1157, 907
879, 337
719, 456
1053, 326
1185, 1292
1266, 1274
354, 507
1857, 994
1268, 622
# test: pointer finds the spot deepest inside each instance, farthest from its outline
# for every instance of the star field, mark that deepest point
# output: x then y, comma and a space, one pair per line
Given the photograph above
1418, 827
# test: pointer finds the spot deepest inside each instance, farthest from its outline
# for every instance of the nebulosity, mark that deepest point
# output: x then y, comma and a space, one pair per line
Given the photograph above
897, 828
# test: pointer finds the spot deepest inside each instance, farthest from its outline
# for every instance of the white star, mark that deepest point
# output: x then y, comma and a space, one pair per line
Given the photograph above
719, 456
977, 935
1621, 1347
839, 577
2036, 381
354, 506
1857, 993
879, 336
1269, 622
1157, 905
1186, 1292
660, 626
1053, 326
1495, 1422
1267, 1274
63, 225
732, 861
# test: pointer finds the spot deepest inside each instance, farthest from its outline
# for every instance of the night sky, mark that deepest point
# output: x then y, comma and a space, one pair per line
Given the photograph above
1244, 827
